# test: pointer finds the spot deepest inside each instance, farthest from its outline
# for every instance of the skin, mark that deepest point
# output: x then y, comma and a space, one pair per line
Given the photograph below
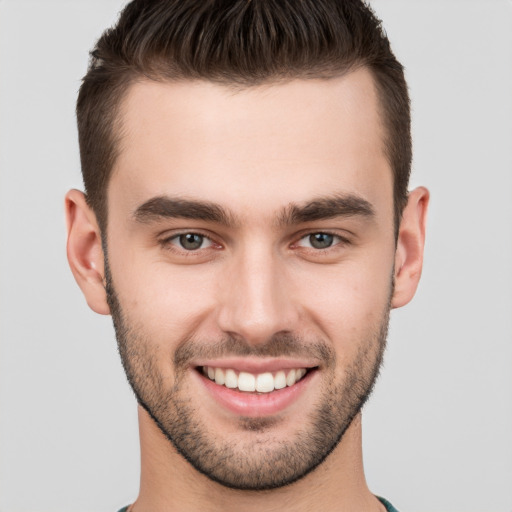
254, 152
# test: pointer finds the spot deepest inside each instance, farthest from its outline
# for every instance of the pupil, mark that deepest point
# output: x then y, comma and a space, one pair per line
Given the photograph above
191, 241
321, 240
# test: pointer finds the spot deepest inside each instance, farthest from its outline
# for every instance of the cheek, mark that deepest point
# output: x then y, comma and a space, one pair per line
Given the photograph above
349, 302
168, 302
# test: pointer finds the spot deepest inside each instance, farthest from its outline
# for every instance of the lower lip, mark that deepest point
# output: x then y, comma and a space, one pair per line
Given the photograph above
254, 405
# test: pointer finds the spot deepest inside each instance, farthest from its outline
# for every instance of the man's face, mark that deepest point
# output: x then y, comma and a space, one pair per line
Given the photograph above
251, 245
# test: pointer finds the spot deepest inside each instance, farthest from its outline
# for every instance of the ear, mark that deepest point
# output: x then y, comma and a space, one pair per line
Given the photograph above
409, 250
84, 250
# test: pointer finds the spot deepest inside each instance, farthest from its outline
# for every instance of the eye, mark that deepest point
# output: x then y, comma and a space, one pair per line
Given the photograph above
319, 240
191, 241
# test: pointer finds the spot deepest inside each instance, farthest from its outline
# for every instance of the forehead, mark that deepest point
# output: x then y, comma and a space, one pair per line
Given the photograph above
256, 147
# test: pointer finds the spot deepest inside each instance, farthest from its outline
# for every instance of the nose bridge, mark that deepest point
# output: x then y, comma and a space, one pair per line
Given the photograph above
256, 303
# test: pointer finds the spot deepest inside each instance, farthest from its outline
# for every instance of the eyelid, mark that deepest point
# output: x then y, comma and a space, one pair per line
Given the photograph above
205, 242
168, 238
342, 240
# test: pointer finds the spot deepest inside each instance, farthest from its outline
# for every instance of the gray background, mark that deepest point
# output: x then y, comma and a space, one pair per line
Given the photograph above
438, 431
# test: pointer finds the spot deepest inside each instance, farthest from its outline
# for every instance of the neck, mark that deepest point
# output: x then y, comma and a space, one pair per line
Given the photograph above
169, 482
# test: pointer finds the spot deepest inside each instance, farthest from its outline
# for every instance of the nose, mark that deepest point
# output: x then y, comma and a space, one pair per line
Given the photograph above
257, 300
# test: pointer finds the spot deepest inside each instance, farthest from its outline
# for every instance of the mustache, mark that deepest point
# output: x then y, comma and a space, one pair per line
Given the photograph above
279, 345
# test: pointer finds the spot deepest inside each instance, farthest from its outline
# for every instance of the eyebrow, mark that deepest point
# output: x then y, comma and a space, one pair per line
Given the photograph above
164, 207
329, 207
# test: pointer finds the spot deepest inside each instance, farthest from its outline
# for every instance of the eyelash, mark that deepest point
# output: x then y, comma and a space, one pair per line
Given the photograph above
167, 243
341, 241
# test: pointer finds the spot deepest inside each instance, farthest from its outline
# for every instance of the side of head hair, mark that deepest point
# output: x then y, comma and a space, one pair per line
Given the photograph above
240, 43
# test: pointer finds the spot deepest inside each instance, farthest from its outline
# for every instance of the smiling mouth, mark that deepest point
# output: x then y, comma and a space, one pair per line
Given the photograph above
254, 383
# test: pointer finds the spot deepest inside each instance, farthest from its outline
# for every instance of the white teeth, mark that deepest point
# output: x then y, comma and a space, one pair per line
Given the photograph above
262, 383
290, 378
231, 379
280, 380
246, 382
265, 383
219, 376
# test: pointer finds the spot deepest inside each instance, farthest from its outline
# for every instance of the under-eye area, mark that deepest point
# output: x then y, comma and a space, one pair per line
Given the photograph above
265, 382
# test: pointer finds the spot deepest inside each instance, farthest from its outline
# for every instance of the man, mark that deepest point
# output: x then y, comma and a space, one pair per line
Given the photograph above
247, 224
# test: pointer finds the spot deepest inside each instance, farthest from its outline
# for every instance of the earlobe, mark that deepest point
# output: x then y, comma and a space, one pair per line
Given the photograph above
84, 251
410, 244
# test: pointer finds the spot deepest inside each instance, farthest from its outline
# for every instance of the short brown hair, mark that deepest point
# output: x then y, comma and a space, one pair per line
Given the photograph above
240, 42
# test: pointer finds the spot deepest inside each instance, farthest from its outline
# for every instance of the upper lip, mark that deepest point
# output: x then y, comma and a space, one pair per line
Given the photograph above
257, 365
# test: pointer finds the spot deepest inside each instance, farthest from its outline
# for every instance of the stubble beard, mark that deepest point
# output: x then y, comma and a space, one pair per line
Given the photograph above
262, 462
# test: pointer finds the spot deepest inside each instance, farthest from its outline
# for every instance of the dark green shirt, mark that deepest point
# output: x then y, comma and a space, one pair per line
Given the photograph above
385, 502
388, 505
